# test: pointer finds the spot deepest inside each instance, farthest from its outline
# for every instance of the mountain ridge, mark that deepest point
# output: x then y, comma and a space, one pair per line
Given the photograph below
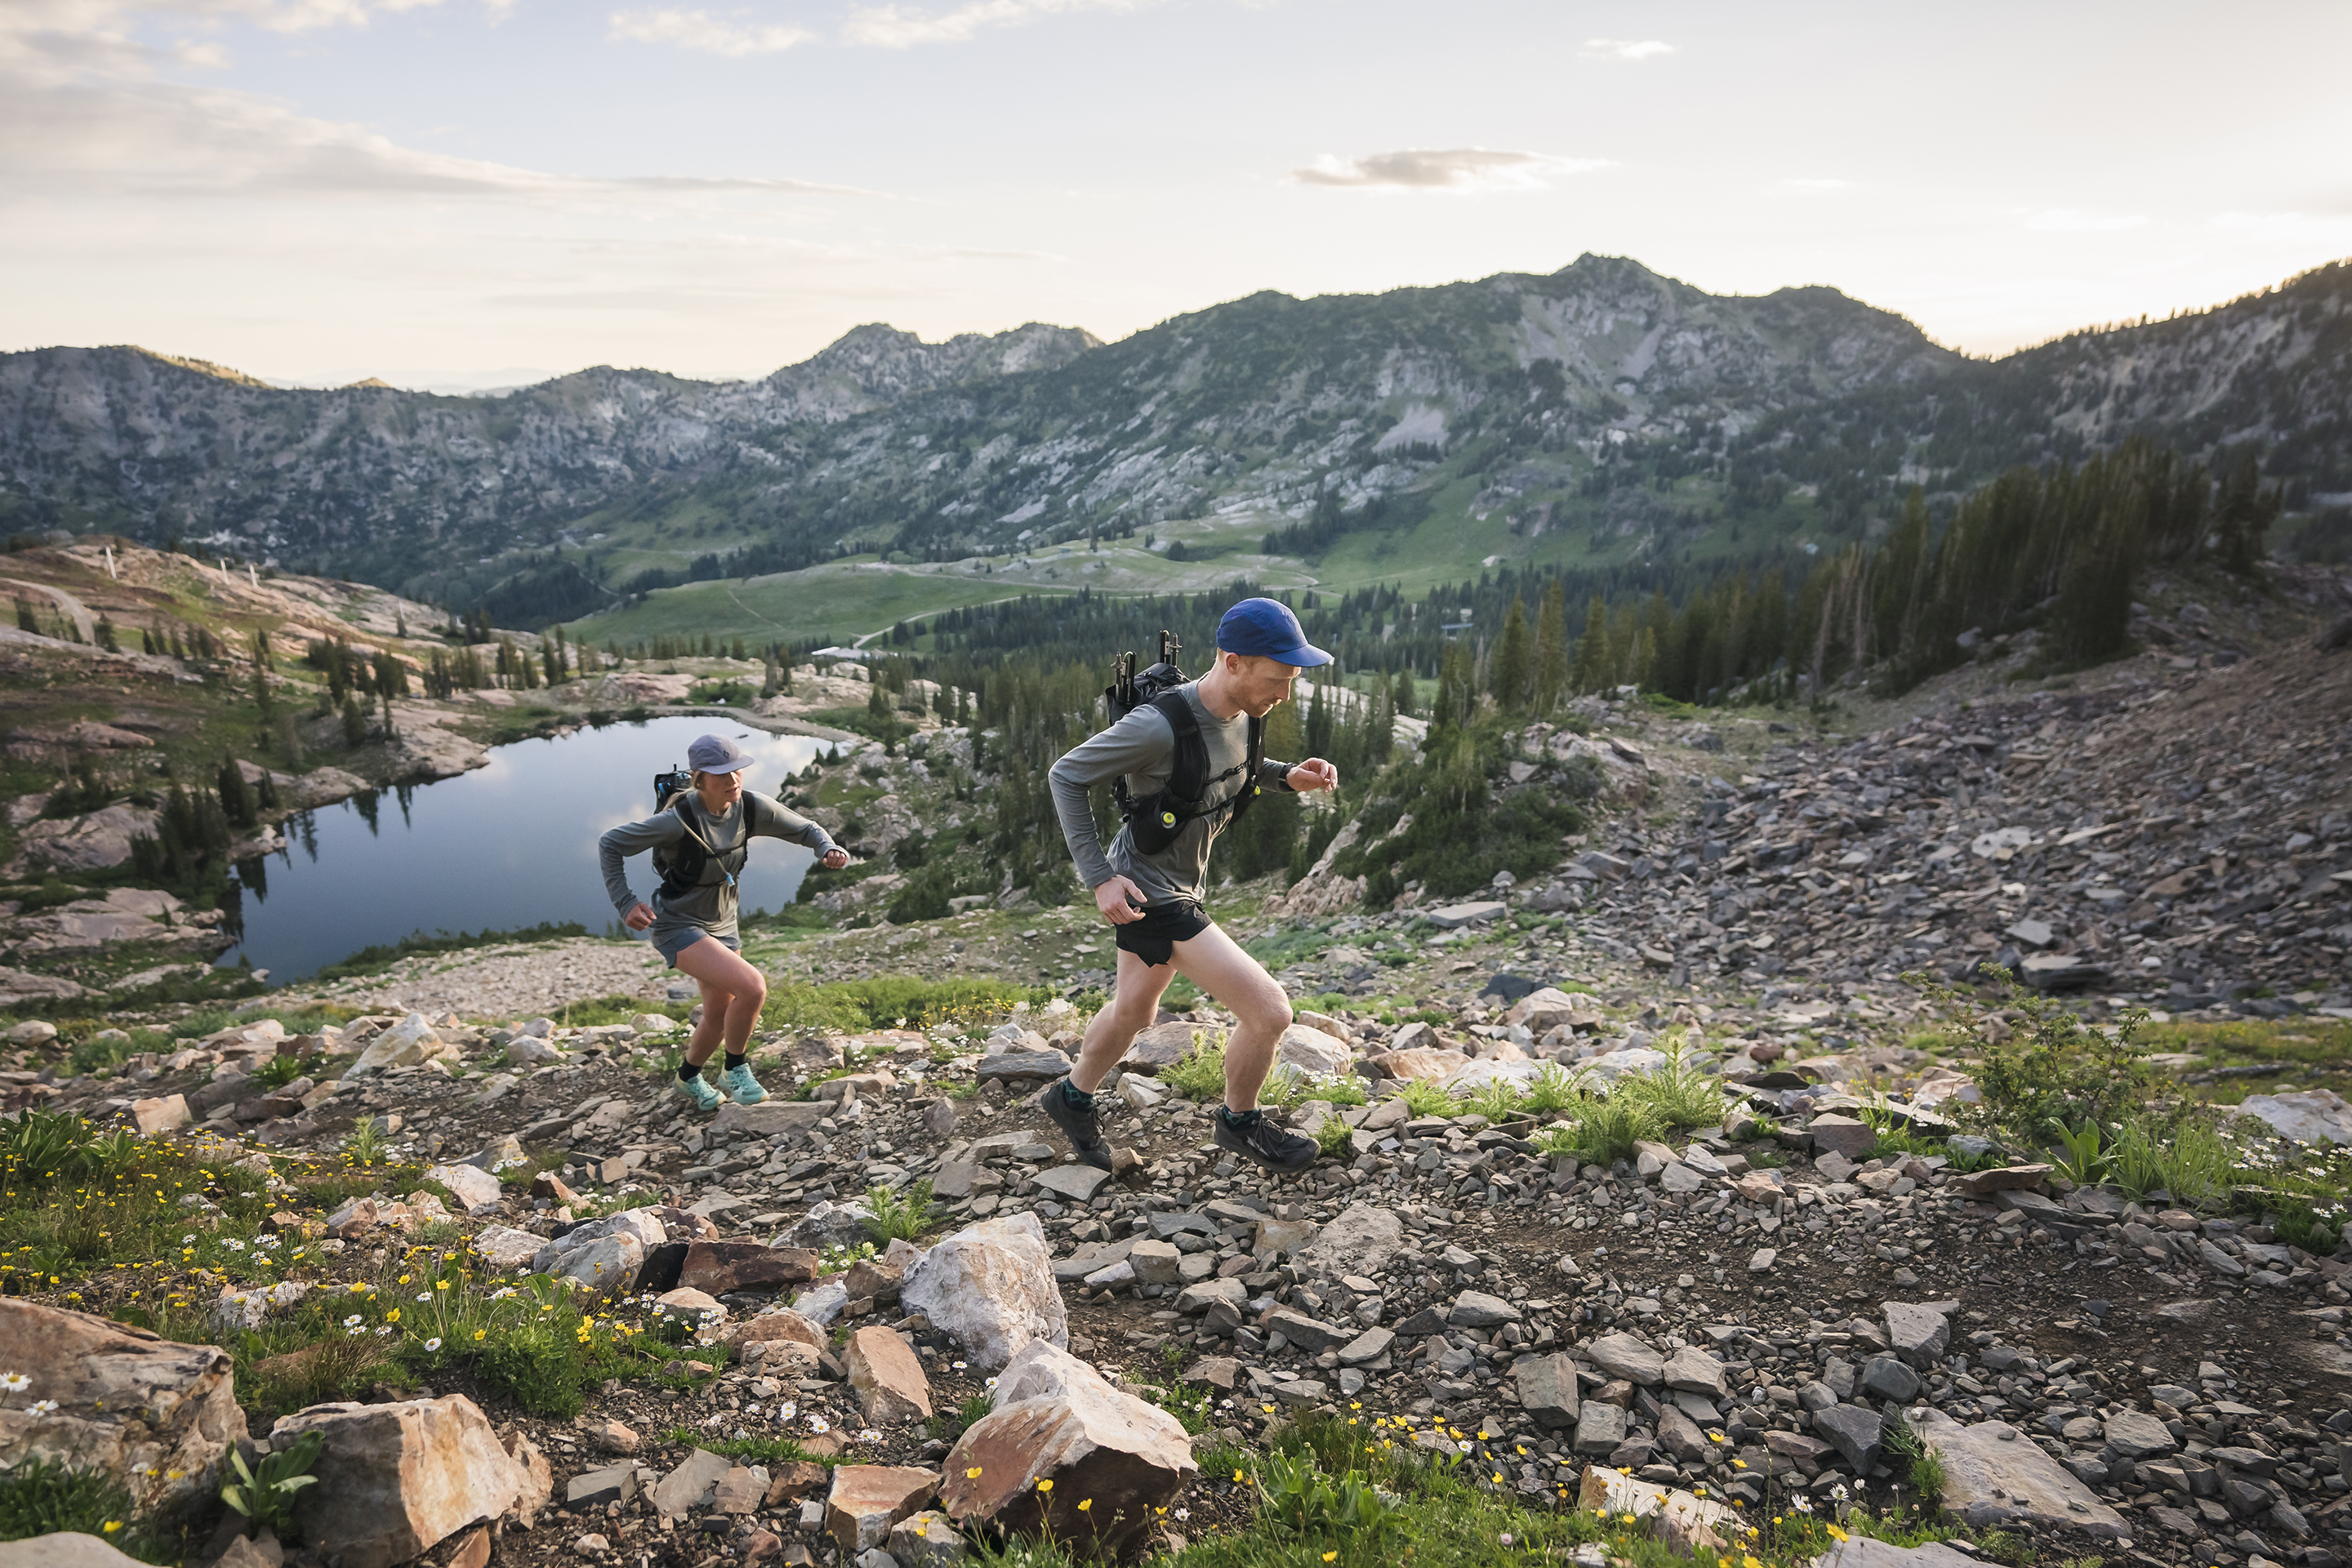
1606, 400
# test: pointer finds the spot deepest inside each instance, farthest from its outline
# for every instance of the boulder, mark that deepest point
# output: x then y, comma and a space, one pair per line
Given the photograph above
477, 1191
1361, 1240
161, 1114
1600, 1427
1078, 1183
1057, 1420
156, 1415
888, 1379
1996, 1478
1854, 1429
780, 1325
2307, 1115
1160, 1046
394, 1480
1622, 1355
926, 1539
506, 1249
242, 1310
1919, 1334
411, 1041
1476, 1310
1684, 1521
1693, 1371
2137, 1434
691, 1484
1862, 1551
1542, 1011
826, 1225
720, 1267
1419, 1064
1548, 1390
868, 1499
1843, 1135
990, 1287
66, 1549
1313, 1052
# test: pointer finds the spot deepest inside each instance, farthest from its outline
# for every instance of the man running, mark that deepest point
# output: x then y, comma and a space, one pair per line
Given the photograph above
1152, 898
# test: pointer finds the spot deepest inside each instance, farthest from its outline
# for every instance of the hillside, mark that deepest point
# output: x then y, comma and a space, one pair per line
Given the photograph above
1602, 414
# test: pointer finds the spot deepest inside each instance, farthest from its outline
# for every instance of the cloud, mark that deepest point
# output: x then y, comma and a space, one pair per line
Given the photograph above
1623, 49
1815, 187
704, 33
1448, 168
888, 27
2072, 220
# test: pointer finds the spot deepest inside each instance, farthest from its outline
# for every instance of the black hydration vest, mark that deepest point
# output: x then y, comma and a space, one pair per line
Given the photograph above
1153, 821
682, 863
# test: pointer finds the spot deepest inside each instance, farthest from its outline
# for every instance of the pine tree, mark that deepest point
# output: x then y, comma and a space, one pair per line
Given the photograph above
1512, 666
1551, 647
236, 799
1592, 662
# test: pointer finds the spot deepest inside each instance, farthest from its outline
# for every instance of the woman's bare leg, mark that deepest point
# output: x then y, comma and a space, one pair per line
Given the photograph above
733, 991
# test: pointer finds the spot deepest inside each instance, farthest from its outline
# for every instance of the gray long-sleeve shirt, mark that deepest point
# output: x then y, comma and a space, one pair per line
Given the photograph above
1143, 746
712, 904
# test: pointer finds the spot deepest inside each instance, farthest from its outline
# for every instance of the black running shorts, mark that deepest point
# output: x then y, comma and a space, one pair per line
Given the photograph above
1153, 938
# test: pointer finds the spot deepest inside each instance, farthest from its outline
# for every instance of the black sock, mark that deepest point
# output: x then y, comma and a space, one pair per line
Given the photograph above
734, 1060
688, 1072
1072, 1095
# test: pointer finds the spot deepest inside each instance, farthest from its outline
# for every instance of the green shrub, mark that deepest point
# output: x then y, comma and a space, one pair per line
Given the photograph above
2049, 1070
1200, 1073
265, 1493
1423, 1097
1677, 1095
1331, 1138
1497, 1100
44, 1496
899, 1214
1468, 822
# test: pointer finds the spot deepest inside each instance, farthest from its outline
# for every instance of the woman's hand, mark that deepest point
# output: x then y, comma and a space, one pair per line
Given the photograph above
639, 916
834, 859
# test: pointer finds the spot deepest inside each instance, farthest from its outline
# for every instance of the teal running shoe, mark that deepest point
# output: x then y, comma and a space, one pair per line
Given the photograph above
697, 1089
741, 1087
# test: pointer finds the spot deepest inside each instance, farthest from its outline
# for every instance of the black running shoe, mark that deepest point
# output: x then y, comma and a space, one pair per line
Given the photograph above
1283, 1154
1078, 1124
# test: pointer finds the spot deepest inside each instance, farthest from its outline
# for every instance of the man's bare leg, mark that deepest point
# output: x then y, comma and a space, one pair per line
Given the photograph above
1134, 1003
1261, 1009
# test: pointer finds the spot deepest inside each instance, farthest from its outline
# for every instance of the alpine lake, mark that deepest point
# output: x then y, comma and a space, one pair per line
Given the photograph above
509, 845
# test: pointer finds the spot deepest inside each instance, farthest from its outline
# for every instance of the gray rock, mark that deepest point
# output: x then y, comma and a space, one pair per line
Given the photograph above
1600, 1428
1919, 1334
1844, 1135
1314, 1335
1370, 1346
1547, 1390
1156, 1262
1362, 1239
691, 1484
2137, 1434
1887, 1376
1476, 1310
1023, 1065
594, 1489
1451, 916
1996, 1479
1855, 1429
1691, 1371
1862, 1551
1077, 1182
1622, 1355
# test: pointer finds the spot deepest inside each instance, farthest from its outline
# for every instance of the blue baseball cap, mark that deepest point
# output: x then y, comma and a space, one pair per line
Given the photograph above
715, 754
1264, 628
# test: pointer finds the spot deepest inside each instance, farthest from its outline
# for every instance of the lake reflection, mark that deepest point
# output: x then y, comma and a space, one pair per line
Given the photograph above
511, 844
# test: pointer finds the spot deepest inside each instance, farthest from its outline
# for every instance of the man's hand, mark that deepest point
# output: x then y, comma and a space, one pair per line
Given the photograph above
639, 916
834, 859
1121, 901
1312, 775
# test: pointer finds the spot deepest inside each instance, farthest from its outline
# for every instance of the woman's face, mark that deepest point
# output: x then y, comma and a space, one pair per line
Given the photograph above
720, 791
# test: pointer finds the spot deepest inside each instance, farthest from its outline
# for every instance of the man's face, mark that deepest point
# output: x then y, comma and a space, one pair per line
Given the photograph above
1260, 684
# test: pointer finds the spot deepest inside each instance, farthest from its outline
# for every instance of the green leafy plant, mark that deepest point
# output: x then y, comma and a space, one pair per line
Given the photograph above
366, 1143
1424, 1098
1188, 1405
41, 1146
279, 1071
2048, 1070
1904, 1446
1497, 1100
2081, 1154
1675, 1095
1296, 1496
1552, 1091
264, 1493
899, 1214
42, 1496
1331, 1138
1200, 1073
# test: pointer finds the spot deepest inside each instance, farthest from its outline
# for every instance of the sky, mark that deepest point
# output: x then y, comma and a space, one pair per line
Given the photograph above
457, 194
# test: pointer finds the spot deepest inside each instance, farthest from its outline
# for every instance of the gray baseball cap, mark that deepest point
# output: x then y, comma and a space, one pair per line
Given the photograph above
715, 754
